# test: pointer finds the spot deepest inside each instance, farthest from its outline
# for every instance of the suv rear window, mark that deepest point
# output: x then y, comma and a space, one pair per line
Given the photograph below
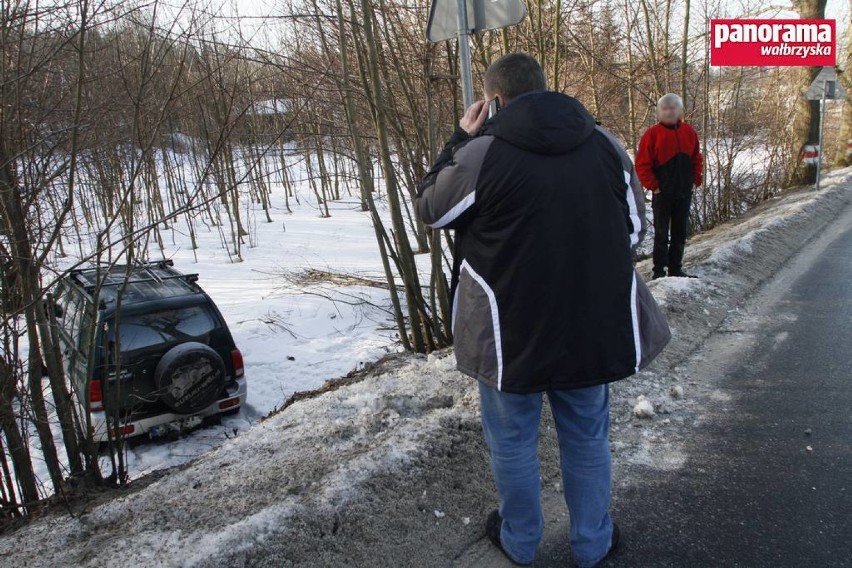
166, 326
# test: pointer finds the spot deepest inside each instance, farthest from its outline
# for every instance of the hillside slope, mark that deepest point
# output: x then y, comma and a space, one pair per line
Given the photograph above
375, 472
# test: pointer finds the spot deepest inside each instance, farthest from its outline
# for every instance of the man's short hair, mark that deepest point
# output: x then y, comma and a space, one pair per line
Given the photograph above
670, 99
513, 75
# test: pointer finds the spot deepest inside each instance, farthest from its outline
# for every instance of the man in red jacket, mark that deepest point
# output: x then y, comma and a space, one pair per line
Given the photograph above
669, 164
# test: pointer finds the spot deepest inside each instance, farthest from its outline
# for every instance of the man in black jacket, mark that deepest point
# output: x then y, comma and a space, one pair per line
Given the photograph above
547, 209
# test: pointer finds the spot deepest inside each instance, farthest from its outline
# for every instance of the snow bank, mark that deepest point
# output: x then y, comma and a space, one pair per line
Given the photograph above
312, 456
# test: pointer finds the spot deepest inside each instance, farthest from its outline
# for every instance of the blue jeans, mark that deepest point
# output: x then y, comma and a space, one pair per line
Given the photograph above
511, 423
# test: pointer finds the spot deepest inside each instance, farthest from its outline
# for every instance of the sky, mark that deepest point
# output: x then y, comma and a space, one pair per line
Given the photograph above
835, 9
264, 23
258, 14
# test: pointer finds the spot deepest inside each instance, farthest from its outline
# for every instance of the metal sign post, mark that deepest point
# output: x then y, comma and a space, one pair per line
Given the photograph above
823, 88
821, 131
449, 19
464, 53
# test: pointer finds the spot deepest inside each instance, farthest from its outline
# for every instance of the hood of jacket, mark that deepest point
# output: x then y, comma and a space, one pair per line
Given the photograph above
544, 122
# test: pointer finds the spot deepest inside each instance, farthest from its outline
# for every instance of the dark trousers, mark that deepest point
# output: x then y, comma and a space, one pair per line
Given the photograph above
671, 215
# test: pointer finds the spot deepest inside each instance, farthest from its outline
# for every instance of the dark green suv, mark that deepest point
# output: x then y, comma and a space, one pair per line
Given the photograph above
147, 350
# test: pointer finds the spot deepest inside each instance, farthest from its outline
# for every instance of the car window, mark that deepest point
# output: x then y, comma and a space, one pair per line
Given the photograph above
87, 330
166, 326
61, 297
71, 314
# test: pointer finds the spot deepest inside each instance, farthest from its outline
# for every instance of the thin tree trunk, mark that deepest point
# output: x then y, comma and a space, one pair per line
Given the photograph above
652, 49
557, 45
843, 156
61, 396
366, 176
684, 66
15, 444
407, 265
631, 79
16, 228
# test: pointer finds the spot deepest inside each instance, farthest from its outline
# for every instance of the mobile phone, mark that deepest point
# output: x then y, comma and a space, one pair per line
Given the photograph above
493, 107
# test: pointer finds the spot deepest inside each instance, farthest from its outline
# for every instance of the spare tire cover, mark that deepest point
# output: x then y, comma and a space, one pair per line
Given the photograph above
190, 377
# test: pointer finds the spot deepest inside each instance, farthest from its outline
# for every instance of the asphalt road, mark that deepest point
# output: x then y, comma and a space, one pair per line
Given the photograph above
768, 481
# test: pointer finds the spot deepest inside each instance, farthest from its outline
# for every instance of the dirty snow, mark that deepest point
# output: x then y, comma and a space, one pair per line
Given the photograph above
314, 455
643, 407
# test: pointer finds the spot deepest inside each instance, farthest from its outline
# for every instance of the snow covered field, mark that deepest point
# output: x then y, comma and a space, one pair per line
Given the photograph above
293, 337
295, 331
377, 468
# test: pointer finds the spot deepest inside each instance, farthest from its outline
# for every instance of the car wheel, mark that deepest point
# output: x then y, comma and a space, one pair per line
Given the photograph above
190, 377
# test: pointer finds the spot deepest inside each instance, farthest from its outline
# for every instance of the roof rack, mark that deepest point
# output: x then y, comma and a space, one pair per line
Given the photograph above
166, 263
76, 275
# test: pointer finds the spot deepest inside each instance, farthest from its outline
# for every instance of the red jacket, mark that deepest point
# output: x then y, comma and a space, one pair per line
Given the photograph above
669, 159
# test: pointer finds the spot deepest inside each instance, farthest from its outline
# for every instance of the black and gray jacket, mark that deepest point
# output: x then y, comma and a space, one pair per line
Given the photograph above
547, 208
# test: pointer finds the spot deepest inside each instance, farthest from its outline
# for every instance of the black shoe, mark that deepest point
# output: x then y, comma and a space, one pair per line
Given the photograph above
493, 526
681, 274
658, 274
616, 538
613, 544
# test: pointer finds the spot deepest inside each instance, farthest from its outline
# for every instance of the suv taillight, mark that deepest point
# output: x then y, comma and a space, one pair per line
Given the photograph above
237, 360
96, 395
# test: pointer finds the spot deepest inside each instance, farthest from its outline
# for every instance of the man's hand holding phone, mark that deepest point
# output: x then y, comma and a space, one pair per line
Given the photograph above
474, 117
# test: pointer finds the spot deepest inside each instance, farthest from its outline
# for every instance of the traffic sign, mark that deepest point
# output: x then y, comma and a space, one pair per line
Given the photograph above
825, 86
460, 18
481, 15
